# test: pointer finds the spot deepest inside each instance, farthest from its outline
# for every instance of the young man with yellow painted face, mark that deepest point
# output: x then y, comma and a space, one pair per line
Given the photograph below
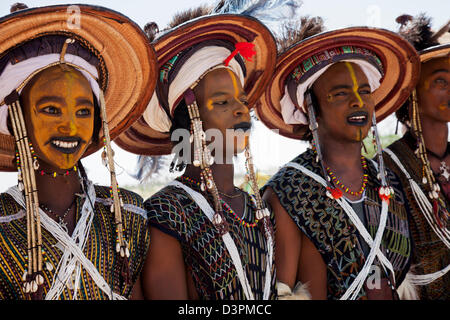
61, 237
341, 219
421, 158
210, 240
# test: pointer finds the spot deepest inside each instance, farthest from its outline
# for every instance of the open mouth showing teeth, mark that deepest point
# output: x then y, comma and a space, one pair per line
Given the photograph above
66, 145
358, 118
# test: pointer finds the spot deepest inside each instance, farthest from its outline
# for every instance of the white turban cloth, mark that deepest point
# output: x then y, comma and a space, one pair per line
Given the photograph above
15, 74
195, 67
293, 115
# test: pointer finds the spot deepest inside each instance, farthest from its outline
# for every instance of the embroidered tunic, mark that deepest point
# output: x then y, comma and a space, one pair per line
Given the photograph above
430, 253
173, 211
99, 249
329, 228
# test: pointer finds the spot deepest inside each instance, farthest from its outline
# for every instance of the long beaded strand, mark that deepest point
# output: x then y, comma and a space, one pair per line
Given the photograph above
332, 192
203, 159
428, 179
33, 278
262, 213
121, 243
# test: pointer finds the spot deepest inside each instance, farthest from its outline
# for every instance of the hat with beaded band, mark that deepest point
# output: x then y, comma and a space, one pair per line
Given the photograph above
220, 32
378, 49
106, 42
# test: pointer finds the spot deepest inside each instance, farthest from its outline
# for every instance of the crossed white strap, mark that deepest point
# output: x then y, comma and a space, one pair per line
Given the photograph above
73, 257
355, 287
427, 209
229, 243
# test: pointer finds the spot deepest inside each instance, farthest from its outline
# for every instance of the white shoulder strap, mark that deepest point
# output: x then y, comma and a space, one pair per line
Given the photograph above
7, 219
422, 200
355, 287
127, 206
229, 243
427, 209
73, 257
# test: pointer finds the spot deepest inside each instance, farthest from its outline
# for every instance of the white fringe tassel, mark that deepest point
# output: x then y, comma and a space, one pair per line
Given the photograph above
408, 290
427, 210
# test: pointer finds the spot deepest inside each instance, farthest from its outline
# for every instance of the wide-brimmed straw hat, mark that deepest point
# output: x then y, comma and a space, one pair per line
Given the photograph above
438, 51
126, 60
397, 61
140, 138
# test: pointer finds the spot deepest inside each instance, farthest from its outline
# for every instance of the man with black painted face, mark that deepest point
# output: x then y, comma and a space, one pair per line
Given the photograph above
63, 237
421, 158
342, 226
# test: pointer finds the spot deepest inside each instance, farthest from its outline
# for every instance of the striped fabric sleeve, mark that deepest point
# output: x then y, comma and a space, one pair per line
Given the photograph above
136, 228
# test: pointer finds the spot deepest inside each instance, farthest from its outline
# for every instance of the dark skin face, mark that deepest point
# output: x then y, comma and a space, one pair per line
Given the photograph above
223, 104
345, 112
433, 94
433, 90
341, 91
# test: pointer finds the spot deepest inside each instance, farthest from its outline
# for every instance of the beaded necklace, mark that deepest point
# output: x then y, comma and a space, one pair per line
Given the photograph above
225, 206
61, 218
341, 185
55, 174
36, 165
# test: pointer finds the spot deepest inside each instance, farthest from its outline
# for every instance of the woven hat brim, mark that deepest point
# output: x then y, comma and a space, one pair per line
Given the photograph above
129, 58
140, 138
400, 62
439, 51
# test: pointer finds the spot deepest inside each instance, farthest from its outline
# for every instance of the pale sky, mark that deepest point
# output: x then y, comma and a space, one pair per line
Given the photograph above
270, 150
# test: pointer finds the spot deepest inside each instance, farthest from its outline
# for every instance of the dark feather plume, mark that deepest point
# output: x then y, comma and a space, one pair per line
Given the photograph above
18, 6
147, 167
417, 30
184, 16
304, 28
151, 29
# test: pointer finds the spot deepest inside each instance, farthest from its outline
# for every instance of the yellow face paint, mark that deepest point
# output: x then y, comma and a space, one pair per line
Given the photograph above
355, 83
235, 84
329, 98
59, 114
209, 104
359, 135
70, 79
240, 144
443, 107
